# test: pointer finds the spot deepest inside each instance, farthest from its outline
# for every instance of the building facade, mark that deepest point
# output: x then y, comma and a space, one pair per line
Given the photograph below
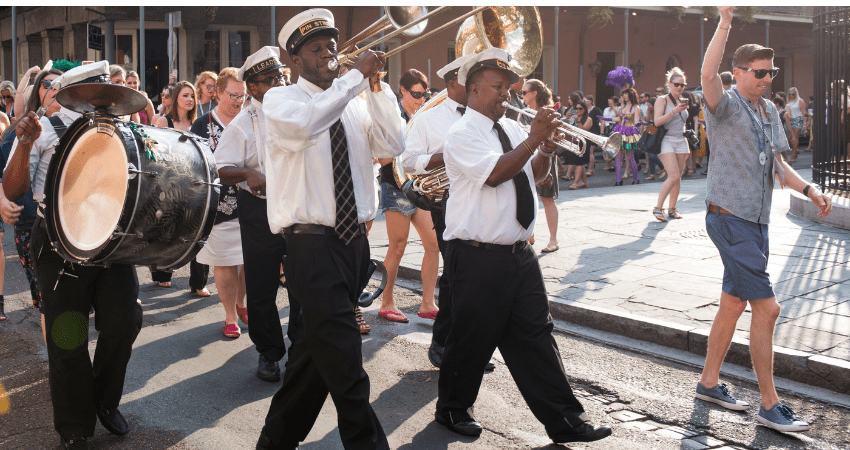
577, 54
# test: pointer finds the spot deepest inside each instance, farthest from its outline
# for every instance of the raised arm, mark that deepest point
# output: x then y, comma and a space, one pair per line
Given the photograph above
711, 86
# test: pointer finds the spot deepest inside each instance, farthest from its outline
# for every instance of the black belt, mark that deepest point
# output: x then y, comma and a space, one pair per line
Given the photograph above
309, 228
507, 248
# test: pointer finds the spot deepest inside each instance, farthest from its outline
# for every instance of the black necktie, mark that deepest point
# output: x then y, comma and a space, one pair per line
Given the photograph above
346, 206
461, 110
524, 198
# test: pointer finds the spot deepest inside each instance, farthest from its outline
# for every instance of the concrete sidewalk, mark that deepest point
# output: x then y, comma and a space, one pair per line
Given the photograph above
620, 270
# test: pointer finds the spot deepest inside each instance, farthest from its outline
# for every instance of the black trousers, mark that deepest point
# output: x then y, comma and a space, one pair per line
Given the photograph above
443, 323
324, 278
263, 253
500, 301
78, 385
198, 275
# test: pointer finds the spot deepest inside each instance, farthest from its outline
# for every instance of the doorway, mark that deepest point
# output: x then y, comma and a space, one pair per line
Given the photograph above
156, 63
604, 91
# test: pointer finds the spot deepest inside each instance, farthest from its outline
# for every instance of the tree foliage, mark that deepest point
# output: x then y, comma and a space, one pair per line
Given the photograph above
600, 15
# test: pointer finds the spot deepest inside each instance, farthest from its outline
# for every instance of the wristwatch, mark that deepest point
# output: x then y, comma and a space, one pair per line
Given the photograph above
806, 190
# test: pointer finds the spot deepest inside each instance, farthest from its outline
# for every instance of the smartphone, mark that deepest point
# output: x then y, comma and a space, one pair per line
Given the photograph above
174, 74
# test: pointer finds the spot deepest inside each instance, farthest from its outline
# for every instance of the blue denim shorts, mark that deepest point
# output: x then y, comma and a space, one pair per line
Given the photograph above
394, 200
744, 248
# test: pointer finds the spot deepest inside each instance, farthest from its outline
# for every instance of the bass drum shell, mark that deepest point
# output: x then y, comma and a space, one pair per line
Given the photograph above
107, 203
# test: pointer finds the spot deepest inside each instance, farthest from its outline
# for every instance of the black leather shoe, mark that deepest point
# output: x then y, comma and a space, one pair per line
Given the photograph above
75, 444
582, 433
435, 354
467, 426
265, 444
268, 370
113, 421
2, 313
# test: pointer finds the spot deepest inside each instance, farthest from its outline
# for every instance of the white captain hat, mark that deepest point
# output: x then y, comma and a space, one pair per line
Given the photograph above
494, 58
451, 69
305, 25
262, 61
89, 73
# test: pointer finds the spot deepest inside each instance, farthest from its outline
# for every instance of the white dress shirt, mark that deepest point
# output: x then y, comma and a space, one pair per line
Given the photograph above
427, 135
299, 174
43, 149
238, 145
476, 211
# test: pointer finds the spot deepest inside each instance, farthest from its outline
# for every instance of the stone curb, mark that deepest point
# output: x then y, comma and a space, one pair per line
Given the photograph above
803, 208
814, 370
807, 368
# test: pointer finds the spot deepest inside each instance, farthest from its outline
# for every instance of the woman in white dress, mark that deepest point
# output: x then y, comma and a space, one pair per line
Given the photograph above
224, 246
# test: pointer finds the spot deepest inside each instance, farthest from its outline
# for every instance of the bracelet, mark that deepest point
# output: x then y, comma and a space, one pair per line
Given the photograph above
806, 190
528, 147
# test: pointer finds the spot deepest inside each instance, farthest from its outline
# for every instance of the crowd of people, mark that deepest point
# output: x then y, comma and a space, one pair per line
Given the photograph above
304, 168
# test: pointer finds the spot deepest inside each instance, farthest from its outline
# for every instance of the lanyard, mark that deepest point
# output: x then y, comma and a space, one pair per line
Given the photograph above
762, 143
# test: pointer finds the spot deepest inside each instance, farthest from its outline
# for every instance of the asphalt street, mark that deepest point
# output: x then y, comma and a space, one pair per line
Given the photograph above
188, 387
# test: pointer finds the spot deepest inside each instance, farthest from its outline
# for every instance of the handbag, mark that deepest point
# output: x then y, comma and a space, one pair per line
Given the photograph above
650, 140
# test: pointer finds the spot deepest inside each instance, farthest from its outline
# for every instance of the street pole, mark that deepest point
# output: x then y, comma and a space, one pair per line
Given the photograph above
557, 68
141, 55
767, 33
274, 28
109, 45
14, 45
626, 46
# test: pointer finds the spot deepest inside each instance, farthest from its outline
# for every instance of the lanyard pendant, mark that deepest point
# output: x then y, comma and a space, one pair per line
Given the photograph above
762, 158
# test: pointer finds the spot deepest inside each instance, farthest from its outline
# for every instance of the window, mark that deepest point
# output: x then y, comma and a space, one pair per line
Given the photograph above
240, 47
124, 51
211, 58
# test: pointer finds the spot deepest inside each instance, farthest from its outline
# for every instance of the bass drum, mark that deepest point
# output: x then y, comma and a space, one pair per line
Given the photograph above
108, 200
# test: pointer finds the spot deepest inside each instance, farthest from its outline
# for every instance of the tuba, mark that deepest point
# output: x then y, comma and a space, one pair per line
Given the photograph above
517, 30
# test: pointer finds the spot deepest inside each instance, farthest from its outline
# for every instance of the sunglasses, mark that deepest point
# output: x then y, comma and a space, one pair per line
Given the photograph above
760, 73
272, 81
418, 95
46, 83
209, 86
679, 85
8, 97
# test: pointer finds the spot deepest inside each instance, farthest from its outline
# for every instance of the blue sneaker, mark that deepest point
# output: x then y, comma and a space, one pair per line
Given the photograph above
720, 395
781, 418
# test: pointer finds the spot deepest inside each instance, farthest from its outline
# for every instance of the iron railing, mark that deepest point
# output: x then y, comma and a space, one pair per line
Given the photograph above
831, 155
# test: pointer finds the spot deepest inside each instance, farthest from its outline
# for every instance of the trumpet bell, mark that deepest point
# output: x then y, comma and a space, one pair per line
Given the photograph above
399, 16
516, 29
612, 146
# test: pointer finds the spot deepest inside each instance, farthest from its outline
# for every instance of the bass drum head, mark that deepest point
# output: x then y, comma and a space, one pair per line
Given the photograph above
92, 188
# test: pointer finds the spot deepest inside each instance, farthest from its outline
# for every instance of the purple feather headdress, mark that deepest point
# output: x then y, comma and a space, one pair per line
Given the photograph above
621, 77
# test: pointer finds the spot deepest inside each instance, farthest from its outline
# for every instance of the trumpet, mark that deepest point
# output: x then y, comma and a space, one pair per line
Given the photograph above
349, 58
578, 144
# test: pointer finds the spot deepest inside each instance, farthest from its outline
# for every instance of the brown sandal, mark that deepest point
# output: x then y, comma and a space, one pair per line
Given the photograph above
659, 214
673, 214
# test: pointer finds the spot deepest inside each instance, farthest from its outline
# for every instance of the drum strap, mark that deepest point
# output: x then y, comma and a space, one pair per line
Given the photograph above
58, 126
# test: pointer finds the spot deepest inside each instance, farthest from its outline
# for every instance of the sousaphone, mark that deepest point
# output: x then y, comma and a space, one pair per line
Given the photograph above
517, 30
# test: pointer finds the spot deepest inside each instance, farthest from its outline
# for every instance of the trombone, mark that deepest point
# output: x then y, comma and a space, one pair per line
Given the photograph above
610, 146
348, 59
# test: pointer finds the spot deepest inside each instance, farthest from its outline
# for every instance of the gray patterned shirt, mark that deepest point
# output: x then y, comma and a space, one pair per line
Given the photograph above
737, 181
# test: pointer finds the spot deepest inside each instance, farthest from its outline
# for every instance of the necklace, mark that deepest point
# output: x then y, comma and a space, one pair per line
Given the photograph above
762, 143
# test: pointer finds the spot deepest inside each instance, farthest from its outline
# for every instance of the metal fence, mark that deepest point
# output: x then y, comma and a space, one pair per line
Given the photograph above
831, 156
